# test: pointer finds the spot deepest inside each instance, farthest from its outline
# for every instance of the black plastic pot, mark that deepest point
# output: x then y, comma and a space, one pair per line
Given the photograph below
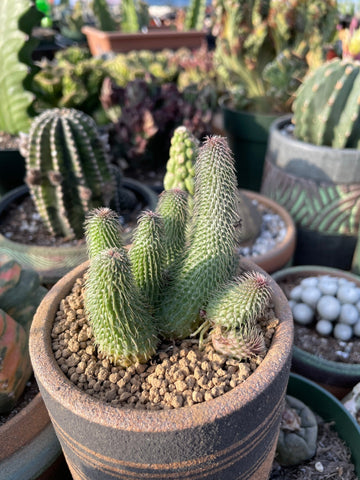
12, 170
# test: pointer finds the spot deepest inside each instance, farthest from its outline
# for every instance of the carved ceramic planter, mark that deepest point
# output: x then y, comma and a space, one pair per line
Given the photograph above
230, 437
320, 188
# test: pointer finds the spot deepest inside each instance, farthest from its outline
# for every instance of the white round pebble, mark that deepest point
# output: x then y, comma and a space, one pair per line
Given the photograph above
357, 329
303, 313
296, 292
347, 294
309, 282
345, 281
343, 331
328, 307
311, 296
328, 287
324, 327
348, 314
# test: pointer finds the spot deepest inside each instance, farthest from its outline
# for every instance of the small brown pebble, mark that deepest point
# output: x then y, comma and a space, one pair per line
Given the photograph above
197, 397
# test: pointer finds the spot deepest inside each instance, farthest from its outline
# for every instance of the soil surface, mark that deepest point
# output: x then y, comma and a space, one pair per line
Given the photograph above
179, 375
309, 340
331, 461
8, 142
31, 390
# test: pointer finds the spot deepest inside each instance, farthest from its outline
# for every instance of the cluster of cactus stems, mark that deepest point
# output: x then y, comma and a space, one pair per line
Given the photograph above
326, 108
178, 267
68, 171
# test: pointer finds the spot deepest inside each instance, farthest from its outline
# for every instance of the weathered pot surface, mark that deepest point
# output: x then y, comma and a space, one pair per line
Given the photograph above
232, 436
336, 377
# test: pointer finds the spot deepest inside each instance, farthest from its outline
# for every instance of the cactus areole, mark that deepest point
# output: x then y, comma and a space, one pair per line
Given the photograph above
67, 170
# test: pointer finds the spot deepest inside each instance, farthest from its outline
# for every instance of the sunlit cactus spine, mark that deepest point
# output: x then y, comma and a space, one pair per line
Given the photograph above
180, 169
210, 257
173, 208
147, 255
102, 231
326, 108
67, 169
123, 327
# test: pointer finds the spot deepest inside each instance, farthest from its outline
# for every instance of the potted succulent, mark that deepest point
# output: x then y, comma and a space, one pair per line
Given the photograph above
133, 32
313, 168
327, 324
173, 284
15, 92
28, 445
263, 50
68, 174
271, 254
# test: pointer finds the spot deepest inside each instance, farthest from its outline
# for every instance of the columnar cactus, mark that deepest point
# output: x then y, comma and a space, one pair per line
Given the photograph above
180, 169
67, 169
102, 231
326, 108
130, 297
210, 258
122, 324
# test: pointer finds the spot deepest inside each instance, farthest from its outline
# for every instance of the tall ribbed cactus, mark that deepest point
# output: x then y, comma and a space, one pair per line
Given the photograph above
122, 324
180, 168
326, 108
102, 231
195, 15
67, 169
210, 259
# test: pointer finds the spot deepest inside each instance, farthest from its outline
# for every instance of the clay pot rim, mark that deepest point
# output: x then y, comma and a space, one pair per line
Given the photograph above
309, 358
14, 435
57, 384
273, 259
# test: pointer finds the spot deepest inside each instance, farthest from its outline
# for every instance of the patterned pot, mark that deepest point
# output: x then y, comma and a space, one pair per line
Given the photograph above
320, 188
233, 436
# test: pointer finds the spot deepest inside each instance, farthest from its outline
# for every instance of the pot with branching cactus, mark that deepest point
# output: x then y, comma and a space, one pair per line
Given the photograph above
68, 174
263, 51
312, 166
162, 342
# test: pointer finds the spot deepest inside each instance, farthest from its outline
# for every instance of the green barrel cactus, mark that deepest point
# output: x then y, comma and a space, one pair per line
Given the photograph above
326, 108
123, 327
180, 168
210, 257
68, 171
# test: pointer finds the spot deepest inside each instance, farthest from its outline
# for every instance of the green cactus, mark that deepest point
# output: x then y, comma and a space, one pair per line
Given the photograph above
180, 168
173, 208
210, 259
195, 15
129, 17
102, 231
326, 108
16, 46
261, 45
67, 169
147, 255
103, 16
123, 328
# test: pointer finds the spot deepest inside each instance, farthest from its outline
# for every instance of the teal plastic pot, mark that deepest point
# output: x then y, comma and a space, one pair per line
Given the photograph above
247, 133
330, 409
337, 377
12, 170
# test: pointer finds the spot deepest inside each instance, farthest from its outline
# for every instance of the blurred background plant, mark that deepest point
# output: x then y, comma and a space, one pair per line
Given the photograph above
264, 48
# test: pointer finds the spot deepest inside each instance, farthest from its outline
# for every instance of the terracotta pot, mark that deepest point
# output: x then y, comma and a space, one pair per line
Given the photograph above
336, 377
54, 262
320, 401
320, 188
100, 42
281, 255
29, 448
232, 436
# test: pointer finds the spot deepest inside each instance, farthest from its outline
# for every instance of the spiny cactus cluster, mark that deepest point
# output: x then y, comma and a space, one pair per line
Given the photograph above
326, 108
68, 171
178, 267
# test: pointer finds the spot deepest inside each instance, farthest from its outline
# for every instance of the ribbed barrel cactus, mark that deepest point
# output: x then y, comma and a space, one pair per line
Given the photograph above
326, 108
68, 170
179, 275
